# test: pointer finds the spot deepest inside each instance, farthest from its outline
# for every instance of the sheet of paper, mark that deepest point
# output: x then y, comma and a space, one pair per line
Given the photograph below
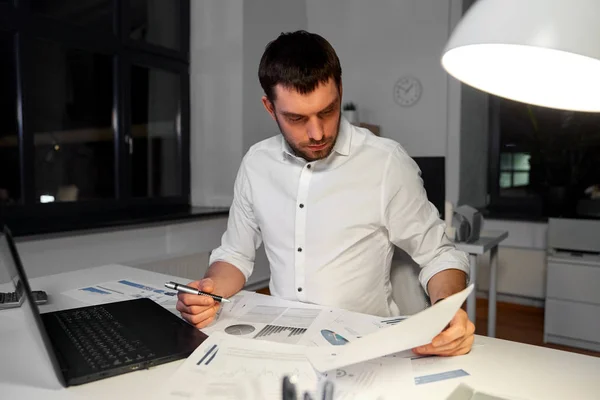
337, 327
226, 367
465, 392
123, 289
414, 331
383, 378
265, 318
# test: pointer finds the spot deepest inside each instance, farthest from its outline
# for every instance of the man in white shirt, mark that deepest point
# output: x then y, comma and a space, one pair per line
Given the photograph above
329, 201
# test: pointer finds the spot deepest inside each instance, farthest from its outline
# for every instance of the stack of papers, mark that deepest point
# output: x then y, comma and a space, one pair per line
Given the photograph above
253, 345
226, 367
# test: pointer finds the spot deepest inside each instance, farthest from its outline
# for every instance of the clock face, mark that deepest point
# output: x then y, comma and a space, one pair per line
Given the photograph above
407, 91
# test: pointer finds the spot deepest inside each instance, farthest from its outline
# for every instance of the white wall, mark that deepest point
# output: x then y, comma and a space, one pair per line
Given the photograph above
377, 42
380, 41
216, 76
160, 247
53, 254
264, 20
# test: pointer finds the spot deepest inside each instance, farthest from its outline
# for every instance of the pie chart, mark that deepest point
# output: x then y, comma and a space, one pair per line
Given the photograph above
333, 338
239, 329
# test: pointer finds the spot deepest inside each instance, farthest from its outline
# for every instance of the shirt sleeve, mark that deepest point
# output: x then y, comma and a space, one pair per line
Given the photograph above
413, 223
242, 237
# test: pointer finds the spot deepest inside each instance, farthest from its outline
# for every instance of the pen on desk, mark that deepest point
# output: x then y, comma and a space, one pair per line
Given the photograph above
188, 289
327, 393
288, 388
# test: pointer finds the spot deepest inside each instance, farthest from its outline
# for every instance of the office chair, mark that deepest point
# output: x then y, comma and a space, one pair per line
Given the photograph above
407, 291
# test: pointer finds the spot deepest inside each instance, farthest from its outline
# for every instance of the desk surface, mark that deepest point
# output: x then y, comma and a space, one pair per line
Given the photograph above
497, 366
486, 241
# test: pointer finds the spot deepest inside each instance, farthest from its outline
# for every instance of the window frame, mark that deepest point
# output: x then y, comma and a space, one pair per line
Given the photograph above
26, 26
530, 207
512, 170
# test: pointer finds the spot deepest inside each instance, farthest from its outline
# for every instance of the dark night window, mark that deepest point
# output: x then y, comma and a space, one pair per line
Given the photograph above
94, 109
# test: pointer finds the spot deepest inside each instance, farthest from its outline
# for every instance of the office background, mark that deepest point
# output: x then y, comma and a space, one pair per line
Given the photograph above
378, 43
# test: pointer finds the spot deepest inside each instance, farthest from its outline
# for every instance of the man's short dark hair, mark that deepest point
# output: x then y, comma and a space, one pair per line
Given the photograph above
298, 60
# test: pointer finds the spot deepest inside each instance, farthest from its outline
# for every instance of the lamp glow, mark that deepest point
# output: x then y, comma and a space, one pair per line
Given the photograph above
542, 52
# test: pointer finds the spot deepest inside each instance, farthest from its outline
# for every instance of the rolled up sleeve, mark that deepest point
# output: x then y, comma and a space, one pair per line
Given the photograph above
242, 237
413, 223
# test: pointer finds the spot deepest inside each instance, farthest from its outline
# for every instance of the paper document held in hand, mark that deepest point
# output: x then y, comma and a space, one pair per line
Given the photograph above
414, 331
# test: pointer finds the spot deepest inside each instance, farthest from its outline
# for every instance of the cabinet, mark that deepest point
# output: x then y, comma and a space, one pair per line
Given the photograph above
572, 314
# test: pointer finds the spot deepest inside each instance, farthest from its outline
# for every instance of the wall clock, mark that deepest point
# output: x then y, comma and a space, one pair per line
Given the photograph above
407, 91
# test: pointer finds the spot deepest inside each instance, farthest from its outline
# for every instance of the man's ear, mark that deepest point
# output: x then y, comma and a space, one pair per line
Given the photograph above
269, 107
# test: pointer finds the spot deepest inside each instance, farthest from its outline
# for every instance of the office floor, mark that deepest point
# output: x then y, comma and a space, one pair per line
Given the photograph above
514, 322
520, 324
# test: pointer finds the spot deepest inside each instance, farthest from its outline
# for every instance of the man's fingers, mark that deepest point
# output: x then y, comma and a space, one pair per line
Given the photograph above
195, 300
200, 318
199, 325
459, 327
464, 348
432, 349
452, 333
194, 310
207, 285
456, 339
205, 323
451, 348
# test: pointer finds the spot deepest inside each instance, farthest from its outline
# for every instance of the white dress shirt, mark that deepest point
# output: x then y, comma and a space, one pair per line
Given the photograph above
329, 226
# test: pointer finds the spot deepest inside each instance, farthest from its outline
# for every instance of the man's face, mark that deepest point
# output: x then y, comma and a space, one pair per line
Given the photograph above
308, 122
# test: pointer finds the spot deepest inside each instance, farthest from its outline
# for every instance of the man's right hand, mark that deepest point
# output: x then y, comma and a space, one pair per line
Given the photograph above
198, 310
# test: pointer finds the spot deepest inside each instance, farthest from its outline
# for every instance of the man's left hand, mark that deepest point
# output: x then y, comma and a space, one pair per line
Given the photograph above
455, 340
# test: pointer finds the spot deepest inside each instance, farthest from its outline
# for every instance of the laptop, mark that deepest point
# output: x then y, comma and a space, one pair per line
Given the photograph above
96, 342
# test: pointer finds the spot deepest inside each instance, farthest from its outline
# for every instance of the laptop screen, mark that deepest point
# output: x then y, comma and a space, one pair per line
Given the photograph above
28, 314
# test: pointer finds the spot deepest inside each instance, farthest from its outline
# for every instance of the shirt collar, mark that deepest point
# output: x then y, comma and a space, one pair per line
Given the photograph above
342, 143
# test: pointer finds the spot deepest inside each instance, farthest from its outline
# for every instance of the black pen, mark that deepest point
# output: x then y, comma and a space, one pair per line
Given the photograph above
288, 389
188, 289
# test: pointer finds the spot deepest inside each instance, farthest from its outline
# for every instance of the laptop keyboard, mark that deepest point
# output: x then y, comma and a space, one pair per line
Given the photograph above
101, 340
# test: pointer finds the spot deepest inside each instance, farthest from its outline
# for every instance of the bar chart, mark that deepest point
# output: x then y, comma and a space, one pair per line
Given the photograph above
281, 334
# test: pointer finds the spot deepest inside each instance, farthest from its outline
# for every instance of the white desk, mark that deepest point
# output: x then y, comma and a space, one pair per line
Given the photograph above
497, 366
488, 241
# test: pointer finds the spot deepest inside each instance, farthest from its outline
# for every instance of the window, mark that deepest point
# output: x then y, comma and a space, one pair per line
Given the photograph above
10, 184
95, 107
542, 161
95, 14
155, 114
514, 171
156, 22
70, 113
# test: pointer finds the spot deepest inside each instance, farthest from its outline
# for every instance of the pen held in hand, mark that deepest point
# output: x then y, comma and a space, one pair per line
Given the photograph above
188, 289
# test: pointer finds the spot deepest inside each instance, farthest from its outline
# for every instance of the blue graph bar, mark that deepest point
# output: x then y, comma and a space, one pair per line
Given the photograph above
457, 373
94, 290
214, 346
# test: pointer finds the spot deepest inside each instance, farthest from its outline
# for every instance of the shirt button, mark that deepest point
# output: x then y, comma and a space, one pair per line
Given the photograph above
299, 289
299, 249
301, 205
308, 166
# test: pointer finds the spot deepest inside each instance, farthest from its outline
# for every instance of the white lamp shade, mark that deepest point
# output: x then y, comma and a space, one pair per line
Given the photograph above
542, 52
